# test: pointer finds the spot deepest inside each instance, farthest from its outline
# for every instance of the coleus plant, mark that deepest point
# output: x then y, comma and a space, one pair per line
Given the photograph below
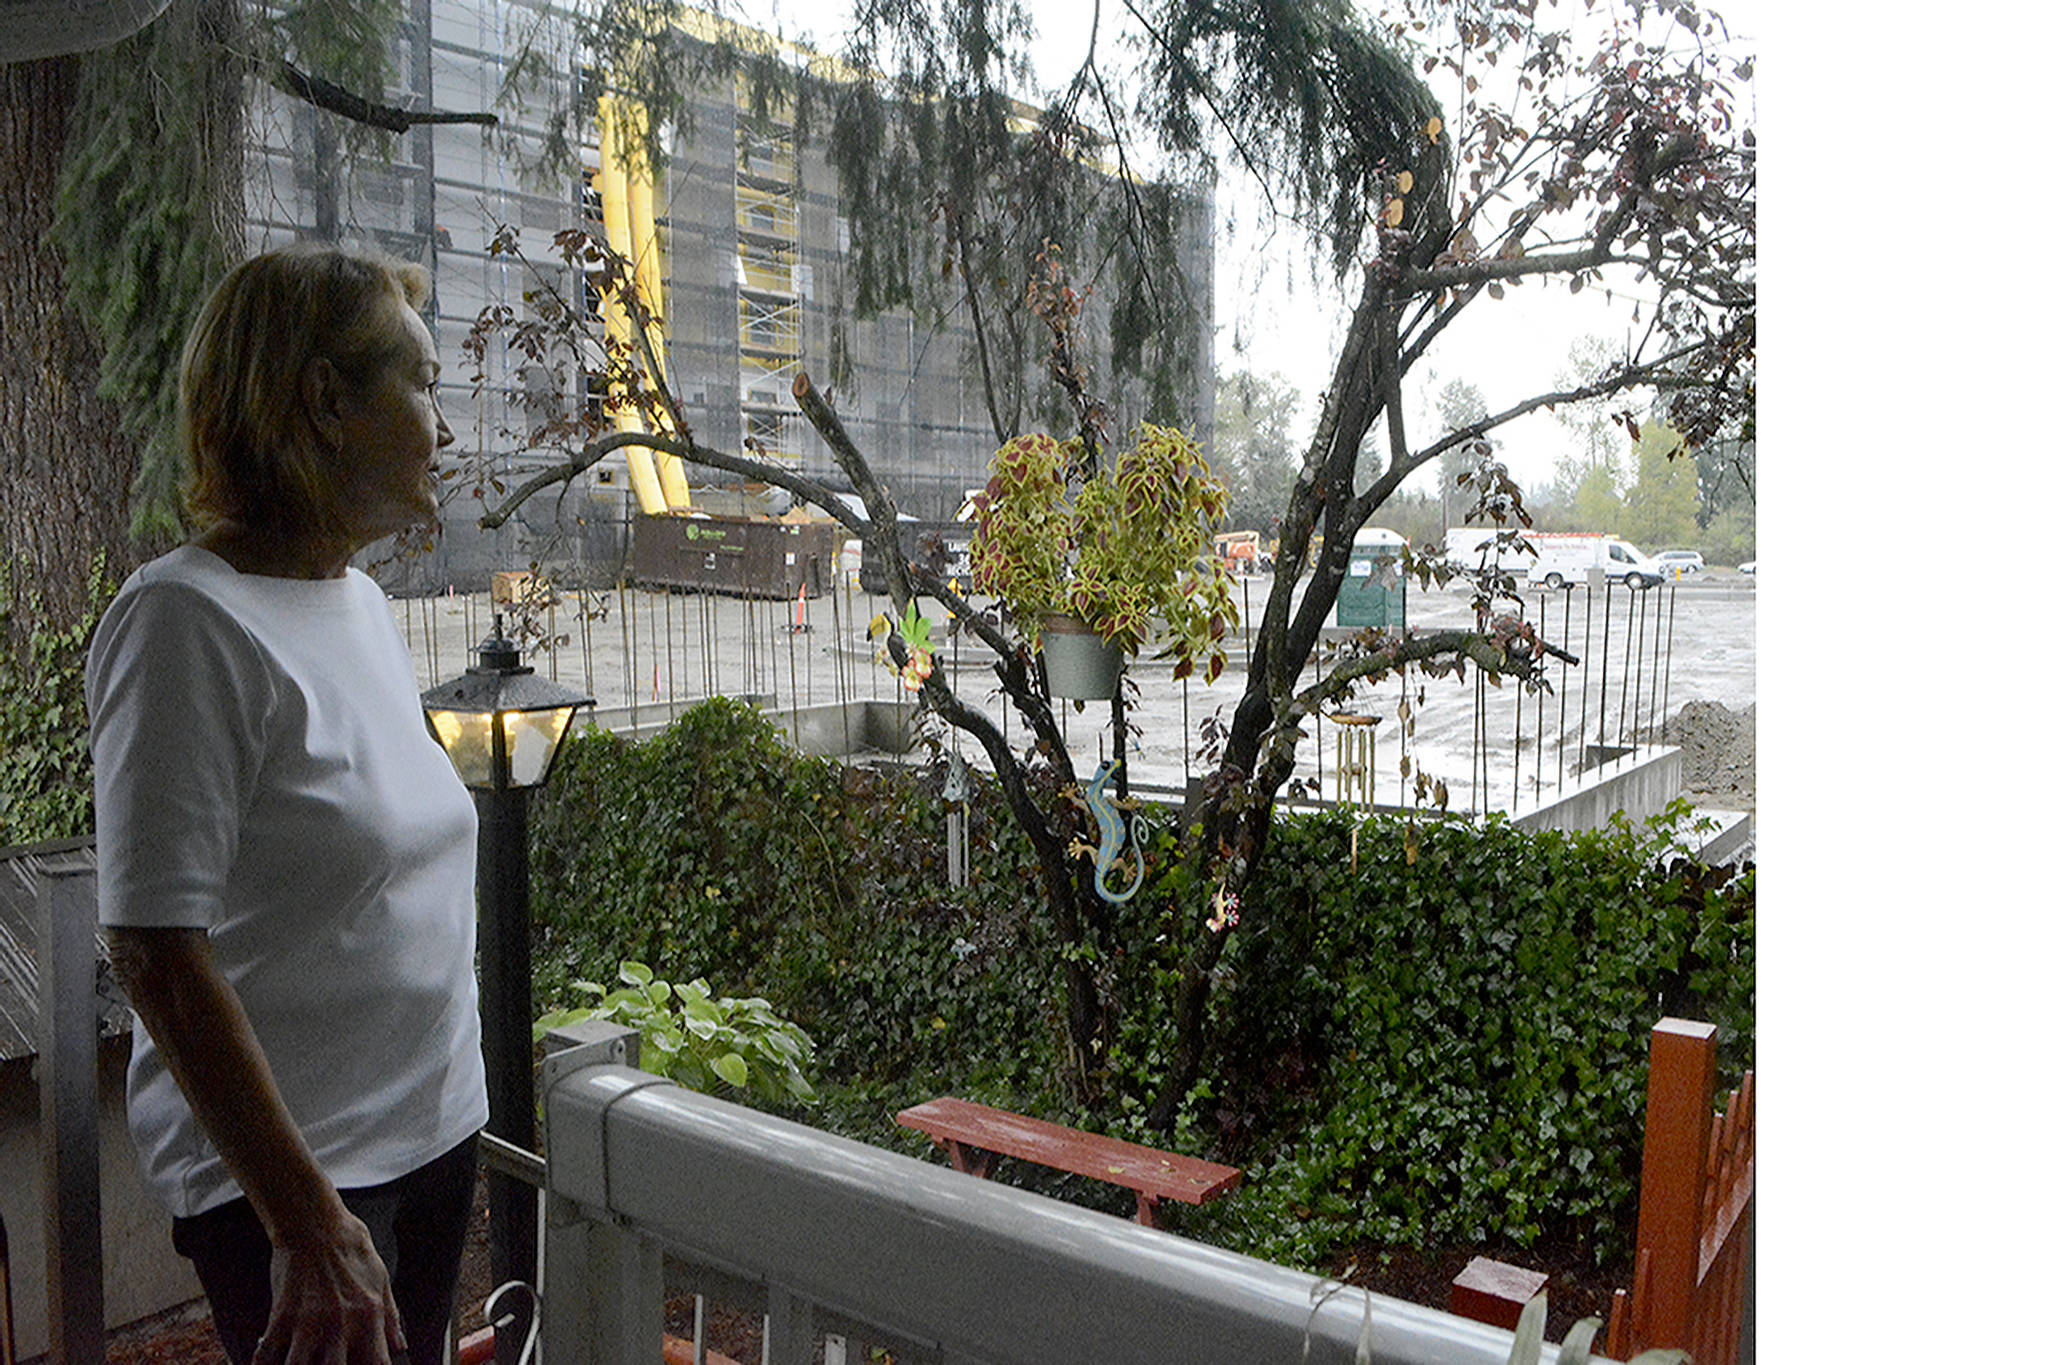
1129, 552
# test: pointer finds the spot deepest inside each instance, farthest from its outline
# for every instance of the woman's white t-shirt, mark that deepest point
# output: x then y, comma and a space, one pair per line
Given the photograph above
262, 770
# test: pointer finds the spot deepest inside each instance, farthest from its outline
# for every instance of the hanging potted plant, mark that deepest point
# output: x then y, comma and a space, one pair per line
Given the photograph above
1111, 561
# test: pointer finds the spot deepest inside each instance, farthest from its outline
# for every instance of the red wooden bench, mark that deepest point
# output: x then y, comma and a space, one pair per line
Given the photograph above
975, 1136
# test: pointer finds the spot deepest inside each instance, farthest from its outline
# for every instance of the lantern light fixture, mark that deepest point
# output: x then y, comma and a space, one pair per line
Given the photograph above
500, 722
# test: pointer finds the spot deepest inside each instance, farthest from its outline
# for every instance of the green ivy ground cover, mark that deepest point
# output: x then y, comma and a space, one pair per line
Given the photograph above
45, 749
1456, 1050
1448, 1050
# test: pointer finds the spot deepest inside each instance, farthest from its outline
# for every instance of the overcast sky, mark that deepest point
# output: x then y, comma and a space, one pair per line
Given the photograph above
1272, 317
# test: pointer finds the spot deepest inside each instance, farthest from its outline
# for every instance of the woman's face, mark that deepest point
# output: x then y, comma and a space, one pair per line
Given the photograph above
390, 430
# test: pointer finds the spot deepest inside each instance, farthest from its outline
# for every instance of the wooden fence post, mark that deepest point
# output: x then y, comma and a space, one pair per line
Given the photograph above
1677, 1126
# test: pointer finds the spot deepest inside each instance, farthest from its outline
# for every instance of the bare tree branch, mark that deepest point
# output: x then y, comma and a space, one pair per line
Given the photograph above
1482, 649
684, 447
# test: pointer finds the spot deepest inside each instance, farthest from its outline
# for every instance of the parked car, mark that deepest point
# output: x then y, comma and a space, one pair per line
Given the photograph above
1679, 563
1747, 566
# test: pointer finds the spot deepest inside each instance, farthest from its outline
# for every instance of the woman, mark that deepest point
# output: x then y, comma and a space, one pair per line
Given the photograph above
286, 860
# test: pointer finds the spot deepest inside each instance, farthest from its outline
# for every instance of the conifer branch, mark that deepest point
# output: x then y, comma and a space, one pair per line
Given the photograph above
323, 94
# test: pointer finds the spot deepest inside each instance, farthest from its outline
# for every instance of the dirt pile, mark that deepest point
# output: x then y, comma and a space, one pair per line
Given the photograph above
1719, 754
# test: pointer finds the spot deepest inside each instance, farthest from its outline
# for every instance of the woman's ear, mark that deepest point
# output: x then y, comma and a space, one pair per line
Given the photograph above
320, 390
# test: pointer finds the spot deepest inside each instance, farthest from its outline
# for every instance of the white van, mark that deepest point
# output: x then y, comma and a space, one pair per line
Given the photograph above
1562, 559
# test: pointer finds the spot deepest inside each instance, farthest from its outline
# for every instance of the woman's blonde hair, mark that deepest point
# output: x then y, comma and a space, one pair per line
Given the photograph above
253, 455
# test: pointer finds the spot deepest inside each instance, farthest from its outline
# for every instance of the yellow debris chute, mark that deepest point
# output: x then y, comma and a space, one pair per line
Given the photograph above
626, 189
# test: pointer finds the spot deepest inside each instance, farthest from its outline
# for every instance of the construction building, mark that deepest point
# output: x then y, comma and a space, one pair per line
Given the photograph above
743, 250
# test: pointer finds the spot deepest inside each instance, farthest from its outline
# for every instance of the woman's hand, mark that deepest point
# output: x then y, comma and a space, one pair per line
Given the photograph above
331, 1298
330, 1303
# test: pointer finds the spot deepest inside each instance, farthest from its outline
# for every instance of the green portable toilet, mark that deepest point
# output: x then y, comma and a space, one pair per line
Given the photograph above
1375, 591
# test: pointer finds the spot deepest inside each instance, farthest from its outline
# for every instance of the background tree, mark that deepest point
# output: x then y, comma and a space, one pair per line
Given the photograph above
1730, 538
1727, 467
1585, 491
1459, 405
1593, 501
1252, 450
1661, 508
1415, 515
1372, 462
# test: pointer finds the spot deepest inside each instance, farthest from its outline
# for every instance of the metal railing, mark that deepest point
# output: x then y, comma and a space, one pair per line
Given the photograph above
863, 1247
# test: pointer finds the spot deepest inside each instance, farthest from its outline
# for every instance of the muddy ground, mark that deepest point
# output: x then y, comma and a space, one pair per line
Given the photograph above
1719, 754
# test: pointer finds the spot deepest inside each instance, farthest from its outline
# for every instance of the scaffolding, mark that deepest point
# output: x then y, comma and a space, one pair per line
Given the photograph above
765, 222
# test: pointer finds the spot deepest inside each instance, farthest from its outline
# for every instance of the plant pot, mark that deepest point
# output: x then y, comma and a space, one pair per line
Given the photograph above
1078, 663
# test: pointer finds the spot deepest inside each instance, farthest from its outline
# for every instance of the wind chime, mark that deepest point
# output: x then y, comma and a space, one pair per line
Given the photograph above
1357, 768
954, 794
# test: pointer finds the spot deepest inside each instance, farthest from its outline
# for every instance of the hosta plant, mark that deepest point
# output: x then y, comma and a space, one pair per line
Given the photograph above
698, 1040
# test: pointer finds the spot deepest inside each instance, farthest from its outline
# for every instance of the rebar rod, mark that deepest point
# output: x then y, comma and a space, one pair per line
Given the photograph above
842, 677
1670, 656
1606, 639
1585, 680
1636, 712
710, 638
1515, 791
433, 647
1406, 717
1186, 754
1319, 719
1657, 658
589, 662
789, 625
632, 671
1542, 632
1478, 739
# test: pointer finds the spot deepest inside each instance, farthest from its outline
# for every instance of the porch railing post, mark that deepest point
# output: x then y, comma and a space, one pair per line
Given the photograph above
601, 1296
67, 901
1677, 1126
790, 1335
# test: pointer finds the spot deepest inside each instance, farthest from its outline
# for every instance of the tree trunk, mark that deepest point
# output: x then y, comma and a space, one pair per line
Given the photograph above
65, 466
1286, 640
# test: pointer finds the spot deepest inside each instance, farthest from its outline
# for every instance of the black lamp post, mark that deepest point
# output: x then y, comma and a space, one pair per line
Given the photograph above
502, 726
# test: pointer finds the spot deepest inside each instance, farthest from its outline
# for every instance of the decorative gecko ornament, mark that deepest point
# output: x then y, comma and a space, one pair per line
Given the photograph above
1111, 828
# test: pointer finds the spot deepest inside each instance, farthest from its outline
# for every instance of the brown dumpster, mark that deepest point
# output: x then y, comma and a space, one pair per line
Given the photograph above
735, 555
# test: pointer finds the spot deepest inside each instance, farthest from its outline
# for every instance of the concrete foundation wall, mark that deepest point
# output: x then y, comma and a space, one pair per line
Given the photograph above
1637, 785
833, 730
